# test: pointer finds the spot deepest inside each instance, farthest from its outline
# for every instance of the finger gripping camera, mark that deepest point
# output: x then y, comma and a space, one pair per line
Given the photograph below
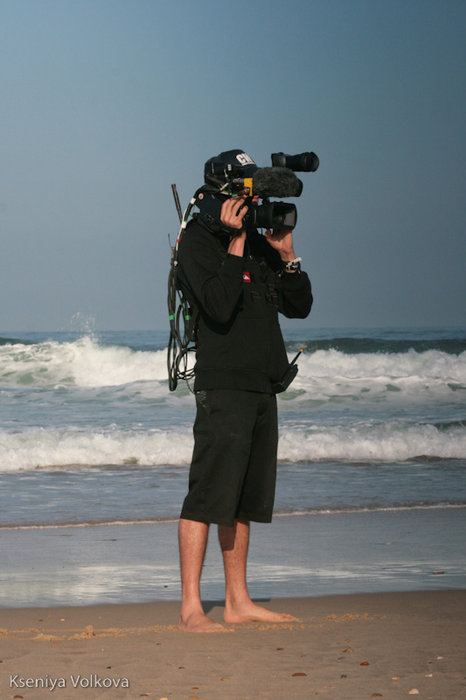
234, 173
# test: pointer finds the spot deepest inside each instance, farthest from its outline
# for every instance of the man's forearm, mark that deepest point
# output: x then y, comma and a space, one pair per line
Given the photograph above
236, 246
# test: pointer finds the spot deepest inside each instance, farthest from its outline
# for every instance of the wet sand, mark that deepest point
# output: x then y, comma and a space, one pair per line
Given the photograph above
390, 645
294, 556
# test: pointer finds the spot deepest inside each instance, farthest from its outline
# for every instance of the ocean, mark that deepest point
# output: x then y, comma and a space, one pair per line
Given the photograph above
95, 452
90, 433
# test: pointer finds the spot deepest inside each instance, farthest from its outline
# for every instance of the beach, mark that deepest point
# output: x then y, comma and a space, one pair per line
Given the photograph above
351, 646
380, 598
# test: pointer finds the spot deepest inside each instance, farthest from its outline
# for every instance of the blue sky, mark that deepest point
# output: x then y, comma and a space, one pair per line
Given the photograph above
105, 103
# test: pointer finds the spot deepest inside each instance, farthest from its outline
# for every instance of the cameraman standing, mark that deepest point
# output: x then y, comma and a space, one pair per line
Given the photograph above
238, 280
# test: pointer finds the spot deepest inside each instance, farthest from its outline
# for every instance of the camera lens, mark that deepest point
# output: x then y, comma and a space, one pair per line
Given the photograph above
274, 215
306, 162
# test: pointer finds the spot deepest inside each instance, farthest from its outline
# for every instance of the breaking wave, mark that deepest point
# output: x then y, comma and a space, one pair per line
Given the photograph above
363, 442
82, 363
108, 404
86, 363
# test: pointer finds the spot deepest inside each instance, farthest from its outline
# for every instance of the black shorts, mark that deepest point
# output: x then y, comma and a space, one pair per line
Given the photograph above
234, 463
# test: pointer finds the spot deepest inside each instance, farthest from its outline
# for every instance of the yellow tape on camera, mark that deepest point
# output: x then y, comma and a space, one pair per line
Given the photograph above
248, 184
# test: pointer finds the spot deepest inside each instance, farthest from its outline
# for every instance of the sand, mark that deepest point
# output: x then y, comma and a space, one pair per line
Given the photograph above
348, 645
391, 645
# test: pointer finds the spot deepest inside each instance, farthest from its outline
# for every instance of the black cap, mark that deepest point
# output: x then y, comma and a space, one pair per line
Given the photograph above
228, 165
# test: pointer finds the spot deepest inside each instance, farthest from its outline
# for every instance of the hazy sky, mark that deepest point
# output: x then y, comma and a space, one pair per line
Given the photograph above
105, 103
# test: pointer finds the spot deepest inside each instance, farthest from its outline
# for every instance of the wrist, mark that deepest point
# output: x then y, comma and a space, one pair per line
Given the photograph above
292, 265
287, 256
236, 246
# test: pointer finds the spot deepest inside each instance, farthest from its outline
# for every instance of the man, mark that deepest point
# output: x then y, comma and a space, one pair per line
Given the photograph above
239, 280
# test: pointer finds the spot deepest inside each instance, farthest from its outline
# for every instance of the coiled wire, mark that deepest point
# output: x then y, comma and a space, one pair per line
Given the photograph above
181, 316
181, 340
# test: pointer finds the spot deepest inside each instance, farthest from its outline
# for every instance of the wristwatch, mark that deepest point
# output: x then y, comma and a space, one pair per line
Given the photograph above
293, 265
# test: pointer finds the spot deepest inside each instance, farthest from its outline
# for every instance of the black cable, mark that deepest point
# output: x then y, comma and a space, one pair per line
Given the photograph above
182, 318
181, 340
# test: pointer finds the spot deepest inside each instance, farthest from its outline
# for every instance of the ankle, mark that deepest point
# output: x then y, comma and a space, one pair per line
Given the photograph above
191, 607
237, 599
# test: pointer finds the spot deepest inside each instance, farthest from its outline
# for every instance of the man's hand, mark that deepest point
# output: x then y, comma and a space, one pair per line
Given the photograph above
232, 215
233, 212
282, 241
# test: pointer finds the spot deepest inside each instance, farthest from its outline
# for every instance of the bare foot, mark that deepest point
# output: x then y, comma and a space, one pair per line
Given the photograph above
198, 622
251, 612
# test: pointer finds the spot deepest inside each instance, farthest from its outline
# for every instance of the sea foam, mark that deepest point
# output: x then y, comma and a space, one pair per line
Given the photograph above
82, 363
366, 441
86, 363
110, 405
40, 447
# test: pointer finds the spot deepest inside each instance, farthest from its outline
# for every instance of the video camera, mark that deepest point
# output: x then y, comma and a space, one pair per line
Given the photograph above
234, 173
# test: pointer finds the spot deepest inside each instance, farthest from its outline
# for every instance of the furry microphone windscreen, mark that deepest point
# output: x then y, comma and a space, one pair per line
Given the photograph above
276, 182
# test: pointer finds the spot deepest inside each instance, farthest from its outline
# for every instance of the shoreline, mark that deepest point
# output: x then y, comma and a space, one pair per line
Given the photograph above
309, 555
351, 646
118, 522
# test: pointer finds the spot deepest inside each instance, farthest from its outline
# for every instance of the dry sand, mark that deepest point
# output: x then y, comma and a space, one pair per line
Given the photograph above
392, 645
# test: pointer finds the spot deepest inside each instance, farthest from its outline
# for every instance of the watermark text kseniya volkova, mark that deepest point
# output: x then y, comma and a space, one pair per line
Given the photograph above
75, 681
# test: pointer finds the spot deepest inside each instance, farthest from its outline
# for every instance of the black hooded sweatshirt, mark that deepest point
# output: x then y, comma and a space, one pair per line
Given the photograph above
239, 341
